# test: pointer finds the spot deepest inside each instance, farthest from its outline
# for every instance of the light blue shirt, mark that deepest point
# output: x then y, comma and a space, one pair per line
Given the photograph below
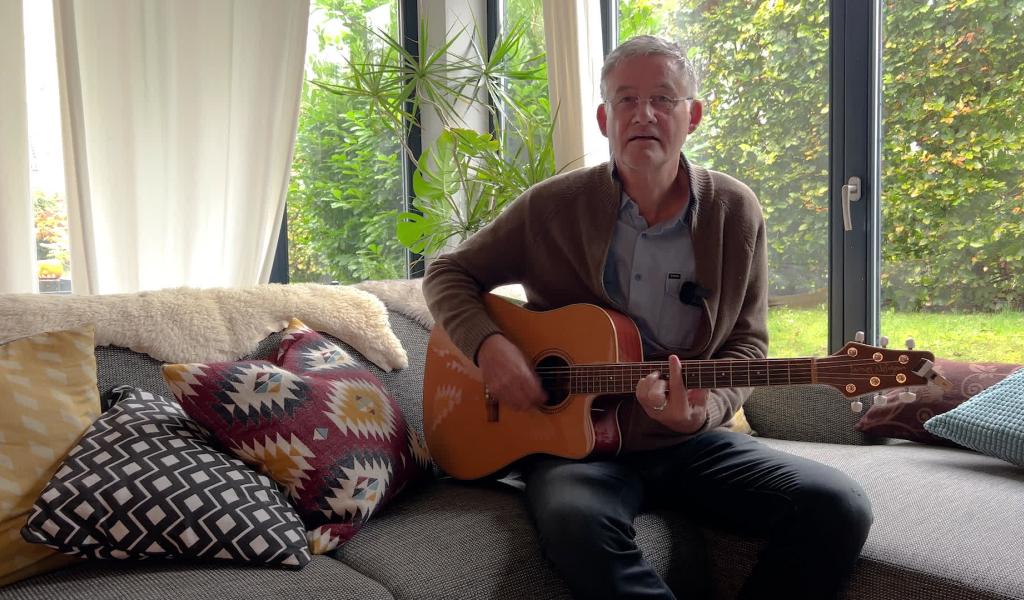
644, 272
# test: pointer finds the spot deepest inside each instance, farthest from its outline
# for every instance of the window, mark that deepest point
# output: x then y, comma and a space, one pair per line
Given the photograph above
360, 125
346, 185
764, 84
935, 248
46, 162
531, 115
951, 182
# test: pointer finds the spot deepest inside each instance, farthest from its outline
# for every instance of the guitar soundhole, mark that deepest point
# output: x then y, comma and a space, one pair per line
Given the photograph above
554, 377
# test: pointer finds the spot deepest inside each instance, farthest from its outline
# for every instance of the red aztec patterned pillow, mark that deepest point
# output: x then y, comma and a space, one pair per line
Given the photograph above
315, 421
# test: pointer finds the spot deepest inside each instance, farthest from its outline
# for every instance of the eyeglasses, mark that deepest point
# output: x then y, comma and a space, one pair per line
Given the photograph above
661, 104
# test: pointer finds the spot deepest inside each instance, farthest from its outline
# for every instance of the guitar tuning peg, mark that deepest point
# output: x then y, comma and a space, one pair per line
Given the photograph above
883, 341
907, 396
856, 406
879, 400
910, 343
859, 337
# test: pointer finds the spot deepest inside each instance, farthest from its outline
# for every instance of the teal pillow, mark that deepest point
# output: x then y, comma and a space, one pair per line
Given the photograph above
991, 422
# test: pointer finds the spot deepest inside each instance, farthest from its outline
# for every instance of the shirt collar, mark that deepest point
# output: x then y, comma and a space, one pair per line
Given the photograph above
626, 203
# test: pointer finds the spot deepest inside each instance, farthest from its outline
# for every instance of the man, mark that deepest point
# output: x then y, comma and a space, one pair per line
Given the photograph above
682, 251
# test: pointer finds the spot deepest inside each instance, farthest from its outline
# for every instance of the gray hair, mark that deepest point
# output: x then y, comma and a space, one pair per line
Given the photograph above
648, 45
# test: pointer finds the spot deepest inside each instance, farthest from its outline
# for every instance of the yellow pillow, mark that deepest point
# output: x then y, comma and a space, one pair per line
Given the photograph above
48, 398
738, 423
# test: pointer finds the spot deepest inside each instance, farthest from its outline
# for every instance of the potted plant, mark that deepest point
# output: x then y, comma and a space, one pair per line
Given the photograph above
465, 178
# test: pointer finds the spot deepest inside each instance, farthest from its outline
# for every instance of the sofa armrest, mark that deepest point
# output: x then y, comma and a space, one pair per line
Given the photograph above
805, 413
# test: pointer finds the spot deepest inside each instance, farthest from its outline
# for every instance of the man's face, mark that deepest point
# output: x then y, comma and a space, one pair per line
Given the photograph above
643, 135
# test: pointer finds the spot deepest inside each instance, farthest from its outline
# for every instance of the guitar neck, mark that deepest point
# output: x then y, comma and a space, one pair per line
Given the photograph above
617, 378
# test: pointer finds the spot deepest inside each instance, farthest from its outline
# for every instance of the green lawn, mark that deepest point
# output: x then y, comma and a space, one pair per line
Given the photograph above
996, 337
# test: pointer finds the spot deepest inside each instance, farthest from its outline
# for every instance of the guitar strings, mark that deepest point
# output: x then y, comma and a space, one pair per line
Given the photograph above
604, 375
710, 362
628, 385
739, 366
693, 381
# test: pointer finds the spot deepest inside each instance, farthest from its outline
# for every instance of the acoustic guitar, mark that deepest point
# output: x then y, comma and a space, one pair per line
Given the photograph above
589, 360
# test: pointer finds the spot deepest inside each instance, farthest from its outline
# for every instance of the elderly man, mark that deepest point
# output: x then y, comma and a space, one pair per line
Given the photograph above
682, 251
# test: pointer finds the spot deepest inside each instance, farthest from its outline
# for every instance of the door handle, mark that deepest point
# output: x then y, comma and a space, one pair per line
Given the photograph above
851, 193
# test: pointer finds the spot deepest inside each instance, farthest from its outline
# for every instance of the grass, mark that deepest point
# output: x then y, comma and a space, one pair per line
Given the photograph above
994, 337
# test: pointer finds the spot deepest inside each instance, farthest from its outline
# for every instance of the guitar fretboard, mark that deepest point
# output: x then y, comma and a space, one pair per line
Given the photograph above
622, 377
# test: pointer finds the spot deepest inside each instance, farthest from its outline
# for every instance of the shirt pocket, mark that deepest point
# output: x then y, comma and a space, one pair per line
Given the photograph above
677, 321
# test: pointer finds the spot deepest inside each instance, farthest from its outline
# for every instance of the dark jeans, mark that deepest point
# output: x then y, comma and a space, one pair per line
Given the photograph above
815, 519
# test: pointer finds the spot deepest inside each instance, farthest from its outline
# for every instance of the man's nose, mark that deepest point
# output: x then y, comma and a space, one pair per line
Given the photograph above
644, 112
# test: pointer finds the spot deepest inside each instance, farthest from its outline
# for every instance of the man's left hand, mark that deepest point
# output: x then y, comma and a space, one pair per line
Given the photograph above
672, 404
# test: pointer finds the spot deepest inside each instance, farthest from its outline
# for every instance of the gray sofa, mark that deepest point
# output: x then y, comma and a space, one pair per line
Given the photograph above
949, 523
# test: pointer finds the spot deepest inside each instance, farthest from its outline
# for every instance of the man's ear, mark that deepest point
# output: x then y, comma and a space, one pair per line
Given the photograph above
696, 112
602, 119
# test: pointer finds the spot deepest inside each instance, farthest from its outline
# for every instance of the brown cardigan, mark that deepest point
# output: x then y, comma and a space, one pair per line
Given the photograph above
554, 240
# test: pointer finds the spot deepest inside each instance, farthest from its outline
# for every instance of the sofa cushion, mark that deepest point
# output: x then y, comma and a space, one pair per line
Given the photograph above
904, 419
143, 482
947, 523
476, 540
991, 422
322, 579
48, 397
316, 422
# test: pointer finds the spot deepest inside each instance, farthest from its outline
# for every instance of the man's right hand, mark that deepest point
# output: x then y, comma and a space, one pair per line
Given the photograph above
507, 376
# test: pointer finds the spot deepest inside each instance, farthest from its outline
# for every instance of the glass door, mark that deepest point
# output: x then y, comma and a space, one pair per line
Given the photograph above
952, 184
764, 71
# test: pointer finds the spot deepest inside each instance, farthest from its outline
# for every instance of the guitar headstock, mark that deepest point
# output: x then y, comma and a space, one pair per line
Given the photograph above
858, 369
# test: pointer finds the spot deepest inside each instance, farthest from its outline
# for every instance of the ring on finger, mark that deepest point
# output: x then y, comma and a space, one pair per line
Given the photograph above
661, 406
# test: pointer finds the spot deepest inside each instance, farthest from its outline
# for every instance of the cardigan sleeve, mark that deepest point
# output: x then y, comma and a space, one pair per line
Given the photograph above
455, 281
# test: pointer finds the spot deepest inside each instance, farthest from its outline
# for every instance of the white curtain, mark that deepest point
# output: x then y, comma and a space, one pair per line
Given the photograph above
17, 244
179, 126
572, 30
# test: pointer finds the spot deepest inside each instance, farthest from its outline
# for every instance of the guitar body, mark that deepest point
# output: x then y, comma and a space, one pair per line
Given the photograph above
471, 436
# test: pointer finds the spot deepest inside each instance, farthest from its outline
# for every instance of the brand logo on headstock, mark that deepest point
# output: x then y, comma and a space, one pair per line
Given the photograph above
878, 369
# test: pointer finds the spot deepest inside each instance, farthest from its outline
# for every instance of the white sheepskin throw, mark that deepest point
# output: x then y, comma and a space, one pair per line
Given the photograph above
404, 296
213, 324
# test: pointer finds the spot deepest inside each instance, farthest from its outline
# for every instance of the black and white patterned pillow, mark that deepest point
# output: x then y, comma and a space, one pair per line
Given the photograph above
143, 482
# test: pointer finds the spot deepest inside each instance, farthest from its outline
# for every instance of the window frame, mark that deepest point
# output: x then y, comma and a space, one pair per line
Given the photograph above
855, 135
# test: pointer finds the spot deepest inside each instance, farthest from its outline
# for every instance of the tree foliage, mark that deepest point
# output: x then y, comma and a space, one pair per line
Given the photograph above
51, 228
953, 190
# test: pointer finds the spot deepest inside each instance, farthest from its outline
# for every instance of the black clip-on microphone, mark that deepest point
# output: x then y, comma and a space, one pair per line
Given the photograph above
692, 294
